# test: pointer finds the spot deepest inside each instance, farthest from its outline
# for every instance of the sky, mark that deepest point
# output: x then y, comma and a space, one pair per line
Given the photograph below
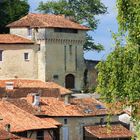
102, 35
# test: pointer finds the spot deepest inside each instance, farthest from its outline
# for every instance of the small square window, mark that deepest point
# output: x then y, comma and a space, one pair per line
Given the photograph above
55, 77
1, 55
26, 56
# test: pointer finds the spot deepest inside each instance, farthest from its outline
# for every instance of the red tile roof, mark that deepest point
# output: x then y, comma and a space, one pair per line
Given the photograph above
20, 120
46, 21
113, 131
63, 90
53, 121
86, 107
24, 105
13, 39
28, 83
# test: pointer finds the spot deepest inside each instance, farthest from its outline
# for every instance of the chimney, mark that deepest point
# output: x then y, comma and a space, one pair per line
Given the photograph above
7, 127
9, 85
34, 99
66, 99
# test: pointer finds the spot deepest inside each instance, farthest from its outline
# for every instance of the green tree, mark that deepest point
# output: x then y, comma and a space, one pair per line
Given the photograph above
82, 11
119, 75
11, 10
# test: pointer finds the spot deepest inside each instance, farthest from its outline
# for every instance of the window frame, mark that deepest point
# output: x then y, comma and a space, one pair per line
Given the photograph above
26, 56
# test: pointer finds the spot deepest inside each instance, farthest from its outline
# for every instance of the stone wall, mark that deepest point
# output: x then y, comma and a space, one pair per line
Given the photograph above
13, 63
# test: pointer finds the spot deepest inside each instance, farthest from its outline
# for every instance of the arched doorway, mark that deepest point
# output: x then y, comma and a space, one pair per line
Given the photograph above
70, 81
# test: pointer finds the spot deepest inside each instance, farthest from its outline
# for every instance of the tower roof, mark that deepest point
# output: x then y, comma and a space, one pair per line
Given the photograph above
46, 21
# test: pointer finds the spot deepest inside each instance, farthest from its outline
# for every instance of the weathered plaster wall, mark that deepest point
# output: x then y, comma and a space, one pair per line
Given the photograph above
13, 63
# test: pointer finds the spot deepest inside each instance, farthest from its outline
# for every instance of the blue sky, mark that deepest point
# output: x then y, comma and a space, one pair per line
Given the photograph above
102, 35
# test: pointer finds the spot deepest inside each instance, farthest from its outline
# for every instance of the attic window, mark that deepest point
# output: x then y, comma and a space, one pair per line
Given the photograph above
65, 30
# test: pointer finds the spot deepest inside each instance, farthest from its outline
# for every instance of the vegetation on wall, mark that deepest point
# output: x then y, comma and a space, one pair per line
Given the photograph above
81, 11
11, 10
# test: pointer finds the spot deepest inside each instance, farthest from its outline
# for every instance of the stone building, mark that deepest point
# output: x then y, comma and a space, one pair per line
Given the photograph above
18, 57
60, 55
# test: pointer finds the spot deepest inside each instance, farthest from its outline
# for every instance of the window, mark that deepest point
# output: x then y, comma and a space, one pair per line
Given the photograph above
65, 121
26, 56
29, 31
1, 55
40, 135
55, 77
22, 134
102, 121
65, 30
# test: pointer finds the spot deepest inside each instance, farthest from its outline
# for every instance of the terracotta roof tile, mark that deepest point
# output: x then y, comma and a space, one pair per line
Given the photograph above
28, 83
113, 131
86, 107
20, 120
53, 121
63, 90
46, 20
13, 39
24, 105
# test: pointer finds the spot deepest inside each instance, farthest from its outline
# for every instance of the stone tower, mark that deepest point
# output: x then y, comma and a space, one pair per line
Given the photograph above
60, 55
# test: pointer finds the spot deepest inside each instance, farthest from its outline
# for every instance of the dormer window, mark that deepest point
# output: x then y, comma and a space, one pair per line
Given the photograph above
29, 31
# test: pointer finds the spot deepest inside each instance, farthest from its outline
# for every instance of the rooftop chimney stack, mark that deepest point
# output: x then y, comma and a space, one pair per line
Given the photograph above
36, 99
9, 85
7, 127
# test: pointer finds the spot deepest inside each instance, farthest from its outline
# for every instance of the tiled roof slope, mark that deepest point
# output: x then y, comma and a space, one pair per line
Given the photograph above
24, 105
63, 90
13, 39
86, 107
20, 120
46, 21
28, 83
113, 131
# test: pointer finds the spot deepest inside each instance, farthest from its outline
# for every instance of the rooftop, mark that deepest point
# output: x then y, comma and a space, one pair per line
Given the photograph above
46, 21
20, 120
77, 108
13, 39
112, 131
37, 84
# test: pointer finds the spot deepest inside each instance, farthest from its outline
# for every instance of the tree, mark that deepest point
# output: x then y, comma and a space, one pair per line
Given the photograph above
81, 11
11, 10
118, 78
